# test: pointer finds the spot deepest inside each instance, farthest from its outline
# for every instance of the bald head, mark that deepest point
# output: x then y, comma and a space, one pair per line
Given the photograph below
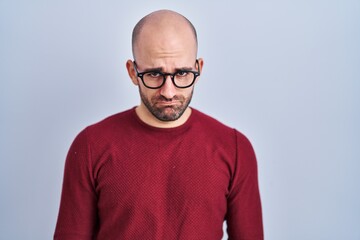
162, 24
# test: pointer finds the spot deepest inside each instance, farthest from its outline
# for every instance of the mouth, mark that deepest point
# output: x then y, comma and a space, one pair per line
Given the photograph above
168, 103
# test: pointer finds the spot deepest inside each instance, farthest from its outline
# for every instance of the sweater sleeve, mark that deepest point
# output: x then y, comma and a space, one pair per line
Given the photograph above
244, 215
77, 213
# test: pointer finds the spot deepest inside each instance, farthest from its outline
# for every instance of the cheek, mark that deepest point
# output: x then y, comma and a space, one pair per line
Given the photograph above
184, 94
148, 93
188, 92
154, 94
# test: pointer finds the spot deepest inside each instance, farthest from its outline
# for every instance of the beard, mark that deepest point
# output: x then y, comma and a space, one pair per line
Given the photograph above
163, 112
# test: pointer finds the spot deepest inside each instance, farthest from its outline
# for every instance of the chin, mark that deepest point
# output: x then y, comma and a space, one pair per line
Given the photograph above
167, 115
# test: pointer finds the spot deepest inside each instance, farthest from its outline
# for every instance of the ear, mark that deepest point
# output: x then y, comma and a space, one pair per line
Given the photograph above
201, 64
131, 71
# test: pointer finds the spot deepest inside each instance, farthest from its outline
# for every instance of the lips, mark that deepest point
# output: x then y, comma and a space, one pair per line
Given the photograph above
168, 102
163, 102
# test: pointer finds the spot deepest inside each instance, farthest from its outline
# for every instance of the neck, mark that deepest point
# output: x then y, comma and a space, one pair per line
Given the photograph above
144, 114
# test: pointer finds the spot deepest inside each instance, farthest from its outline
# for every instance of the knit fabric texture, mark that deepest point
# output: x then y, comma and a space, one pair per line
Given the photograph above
124, 179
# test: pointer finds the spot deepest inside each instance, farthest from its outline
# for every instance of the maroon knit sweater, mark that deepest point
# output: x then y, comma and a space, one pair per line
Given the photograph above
127, 180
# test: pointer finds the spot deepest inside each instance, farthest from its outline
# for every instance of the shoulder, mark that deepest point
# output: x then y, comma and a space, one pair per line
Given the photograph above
212, 126
213, 131
113, 122
209, 122
115, 119
104, 130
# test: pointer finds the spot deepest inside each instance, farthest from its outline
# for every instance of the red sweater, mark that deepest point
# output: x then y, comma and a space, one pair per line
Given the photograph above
127, 180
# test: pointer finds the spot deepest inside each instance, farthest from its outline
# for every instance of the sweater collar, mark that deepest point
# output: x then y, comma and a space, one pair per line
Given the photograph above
174, 130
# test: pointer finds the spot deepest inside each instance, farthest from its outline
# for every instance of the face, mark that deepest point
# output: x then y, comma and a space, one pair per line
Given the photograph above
170, 50
162, 107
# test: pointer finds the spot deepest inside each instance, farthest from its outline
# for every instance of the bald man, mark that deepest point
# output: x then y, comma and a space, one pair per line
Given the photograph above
161, 170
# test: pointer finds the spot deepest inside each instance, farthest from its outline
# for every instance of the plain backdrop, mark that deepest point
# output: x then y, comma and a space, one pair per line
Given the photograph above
285, 73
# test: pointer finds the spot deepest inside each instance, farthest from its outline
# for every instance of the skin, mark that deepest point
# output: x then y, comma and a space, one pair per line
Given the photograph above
166, 41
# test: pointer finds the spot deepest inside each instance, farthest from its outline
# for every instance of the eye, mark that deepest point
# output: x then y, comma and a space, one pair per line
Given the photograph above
153, 74
182, 73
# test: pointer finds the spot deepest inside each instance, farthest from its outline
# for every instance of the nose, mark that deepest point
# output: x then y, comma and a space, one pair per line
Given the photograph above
168, 90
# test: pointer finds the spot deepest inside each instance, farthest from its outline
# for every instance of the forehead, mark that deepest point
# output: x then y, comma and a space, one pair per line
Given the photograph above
170, 52
166, 64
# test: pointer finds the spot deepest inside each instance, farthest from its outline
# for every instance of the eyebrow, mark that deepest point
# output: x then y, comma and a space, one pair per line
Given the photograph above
152, 70
160, 69
184, 69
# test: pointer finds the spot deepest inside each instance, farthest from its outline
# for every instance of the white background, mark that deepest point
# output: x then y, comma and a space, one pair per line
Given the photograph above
285, 73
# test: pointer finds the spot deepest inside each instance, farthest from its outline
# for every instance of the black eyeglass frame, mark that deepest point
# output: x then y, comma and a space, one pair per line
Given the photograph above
172, 76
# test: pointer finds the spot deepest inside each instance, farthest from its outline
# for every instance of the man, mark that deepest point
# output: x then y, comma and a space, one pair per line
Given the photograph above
161, 170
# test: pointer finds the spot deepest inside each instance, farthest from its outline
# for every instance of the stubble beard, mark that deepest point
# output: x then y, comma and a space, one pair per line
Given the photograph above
166, 113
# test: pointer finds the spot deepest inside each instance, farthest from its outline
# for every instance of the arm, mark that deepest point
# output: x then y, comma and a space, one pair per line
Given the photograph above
77, 214
244, 216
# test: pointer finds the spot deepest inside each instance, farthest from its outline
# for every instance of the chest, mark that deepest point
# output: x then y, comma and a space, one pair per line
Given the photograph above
154, 173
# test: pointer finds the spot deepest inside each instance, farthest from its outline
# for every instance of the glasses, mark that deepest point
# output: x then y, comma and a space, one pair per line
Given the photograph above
155, 79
